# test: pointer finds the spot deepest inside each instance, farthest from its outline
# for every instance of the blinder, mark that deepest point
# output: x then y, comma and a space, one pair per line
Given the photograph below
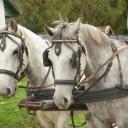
21, 49
46, 61
75, 58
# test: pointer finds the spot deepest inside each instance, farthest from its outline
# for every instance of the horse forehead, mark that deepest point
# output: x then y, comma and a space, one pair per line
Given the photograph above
15, 38
9, 44
65, 52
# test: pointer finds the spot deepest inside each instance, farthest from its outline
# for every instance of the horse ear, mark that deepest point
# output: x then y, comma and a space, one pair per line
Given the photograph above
60, 17
77, 25
49, 30
13, 25
63, 19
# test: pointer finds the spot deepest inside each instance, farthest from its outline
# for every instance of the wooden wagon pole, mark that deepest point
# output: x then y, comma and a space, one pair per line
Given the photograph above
48, 105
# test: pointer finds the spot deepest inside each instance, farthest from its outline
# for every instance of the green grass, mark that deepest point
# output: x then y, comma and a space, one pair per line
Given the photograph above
11, 116
79, 119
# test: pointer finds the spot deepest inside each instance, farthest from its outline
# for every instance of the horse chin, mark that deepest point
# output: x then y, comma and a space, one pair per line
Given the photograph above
63, 107
11, 95
7, 96
7, 93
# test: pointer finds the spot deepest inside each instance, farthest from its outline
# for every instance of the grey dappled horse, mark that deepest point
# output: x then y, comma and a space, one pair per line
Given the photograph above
88, 52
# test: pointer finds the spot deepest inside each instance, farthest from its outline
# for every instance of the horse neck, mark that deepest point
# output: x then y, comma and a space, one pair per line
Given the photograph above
35, 70
95, 61
97, 54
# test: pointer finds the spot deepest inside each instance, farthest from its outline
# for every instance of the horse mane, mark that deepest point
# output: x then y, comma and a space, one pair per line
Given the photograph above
89, 33
34, 38
92, 34
65, 30
28, 32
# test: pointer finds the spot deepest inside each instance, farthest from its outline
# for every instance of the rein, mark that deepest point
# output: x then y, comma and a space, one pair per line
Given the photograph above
32, 86
109, 61
116, 52
37, 86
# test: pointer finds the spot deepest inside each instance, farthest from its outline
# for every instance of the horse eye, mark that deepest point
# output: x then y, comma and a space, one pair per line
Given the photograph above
15, 52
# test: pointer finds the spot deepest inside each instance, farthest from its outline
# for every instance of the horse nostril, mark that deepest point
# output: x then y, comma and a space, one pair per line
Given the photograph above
8, 91
65, 100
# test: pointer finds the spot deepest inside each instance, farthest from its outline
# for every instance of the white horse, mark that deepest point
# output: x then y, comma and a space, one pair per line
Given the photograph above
21, 50
83, 47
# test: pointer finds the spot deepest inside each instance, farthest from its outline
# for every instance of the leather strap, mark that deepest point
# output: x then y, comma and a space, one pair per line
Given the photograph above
64, 82
13, 74
65, 41
11, 33
86, 80
38, 86
100, 95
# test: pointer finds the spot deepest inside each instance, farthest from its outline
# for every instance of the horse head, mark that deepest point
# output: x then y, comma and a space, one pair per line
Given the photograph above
13, 58
65, 56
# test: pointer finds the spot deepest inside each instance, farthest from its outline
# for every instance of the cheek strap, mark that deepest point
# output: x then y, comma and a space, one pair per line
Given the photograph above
10, 73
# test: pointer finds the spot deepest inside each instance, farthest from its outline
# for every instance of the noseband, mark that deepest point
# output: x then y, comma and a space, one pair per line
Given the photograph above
22, 49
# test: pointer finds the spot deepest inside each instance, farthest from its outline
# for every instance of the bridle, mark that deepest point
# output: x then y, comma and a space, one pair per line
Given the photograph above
76, 55
75, 61
21, 47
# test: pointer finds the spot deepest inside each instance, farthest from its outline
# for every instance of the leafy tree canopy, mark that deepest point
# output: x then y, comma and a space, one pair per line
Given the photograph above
36, 13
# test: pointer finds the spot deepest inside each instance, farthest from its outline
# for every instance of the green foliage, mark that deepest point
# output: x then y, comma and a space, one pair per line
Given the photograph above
78, 119
36, 13
11, 116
